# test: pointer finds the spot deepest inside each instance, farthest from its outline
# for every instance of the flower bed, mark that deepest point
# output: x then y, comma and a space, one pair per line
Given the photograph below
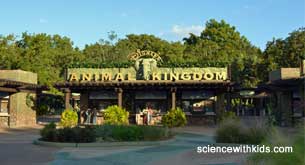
104, 133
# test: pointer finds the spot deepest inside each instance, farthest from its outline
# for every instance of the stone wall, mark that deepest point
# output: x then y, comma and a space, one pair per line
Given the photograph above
21, 105
22, 112
284, 73
19, 75
3, 121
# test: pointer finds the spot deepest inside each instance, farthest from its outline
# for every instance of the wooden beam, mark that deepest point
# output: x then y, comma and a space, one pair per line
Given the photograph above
173, 91
67, 98
10, 90
120, 96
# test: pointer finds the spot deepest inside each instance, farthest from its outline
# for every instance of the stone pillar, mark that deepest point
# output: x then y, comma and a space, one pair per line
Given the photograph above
173, 91
21, 109
12, 110
67, 98
120, 96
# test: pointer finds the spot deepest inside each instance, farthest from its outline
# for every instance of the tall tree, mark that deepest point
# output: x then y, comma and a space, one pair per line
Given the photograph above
9, 52
220, 41
286, 52
169, 51
40, 53
105, 50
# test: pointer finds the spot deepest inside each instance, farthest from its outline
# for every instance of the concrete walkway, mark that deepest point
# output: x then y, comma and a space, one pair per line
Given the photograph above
181, 151
16, 148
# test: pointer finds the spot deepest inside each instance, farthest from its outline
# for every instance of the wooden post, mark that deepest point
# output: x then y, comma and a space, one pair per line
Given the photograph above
120, 96
173, 91
84, 101
229, 72
67, 98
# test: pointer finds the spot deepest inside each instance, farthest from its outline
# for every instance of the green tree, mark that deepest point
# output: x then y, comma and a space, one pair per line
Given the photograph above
220, 41
169, 51
9, 52
40, 53
286, 52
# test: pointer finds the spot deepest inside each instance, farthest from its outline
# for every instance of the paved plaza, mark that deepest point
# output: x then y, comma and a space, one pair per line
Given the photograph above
17, 148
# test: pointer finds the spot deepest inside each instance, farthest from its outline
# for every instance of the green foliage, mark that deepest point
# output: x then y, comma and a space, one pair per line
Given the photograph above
30, 100
255, 135
169, 64
295, 157
48, 133
50, 55
286, 52
69, 135
101, 65
228, 115
116, 115
49, 104
220, 41
202, 64
41, 110
231, 131
271, 121
131, 133
174, 118
68, 118
104, 133
76, 135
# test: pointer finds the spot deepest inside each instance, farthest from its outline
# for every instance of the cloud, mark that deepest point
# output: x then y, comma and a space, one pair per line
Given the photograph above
183, 31
42, 20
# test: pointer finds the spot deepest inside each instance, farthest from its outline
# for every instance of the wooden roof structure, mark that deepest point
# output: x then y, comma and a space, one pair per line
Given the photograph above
12, 86
283, 84
138, 84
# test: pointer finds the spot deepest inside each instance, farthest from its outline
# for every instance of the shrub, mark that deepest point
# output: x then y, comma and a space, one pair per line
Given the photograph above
174, 118
151, 133
255, 135
48, 133
41, 110
69, 135
228, 115
231, 131
116, 115
295, 157
131, 133
69, 118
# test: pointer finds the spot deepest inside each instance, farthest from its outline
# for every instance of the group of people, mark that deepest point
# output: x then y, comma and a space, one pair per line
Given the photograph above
147, 118
90, 116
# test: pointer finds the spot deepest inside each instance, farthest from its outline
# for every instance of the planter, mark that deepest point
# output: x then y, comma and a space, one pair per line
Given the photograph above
102, 144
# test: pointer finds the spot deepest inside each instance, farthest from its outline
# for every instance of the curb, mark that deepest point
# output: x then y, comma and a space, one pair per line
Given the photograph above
103, 144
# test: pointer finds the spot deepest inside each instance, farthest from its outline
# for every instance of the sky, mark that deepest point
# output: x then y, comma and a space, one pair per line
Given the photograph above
88, 21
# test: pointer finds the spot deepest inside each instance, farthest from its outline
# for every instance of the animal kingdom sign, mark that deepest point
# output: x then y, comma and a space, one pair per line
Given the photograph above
146, 69
153, 77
